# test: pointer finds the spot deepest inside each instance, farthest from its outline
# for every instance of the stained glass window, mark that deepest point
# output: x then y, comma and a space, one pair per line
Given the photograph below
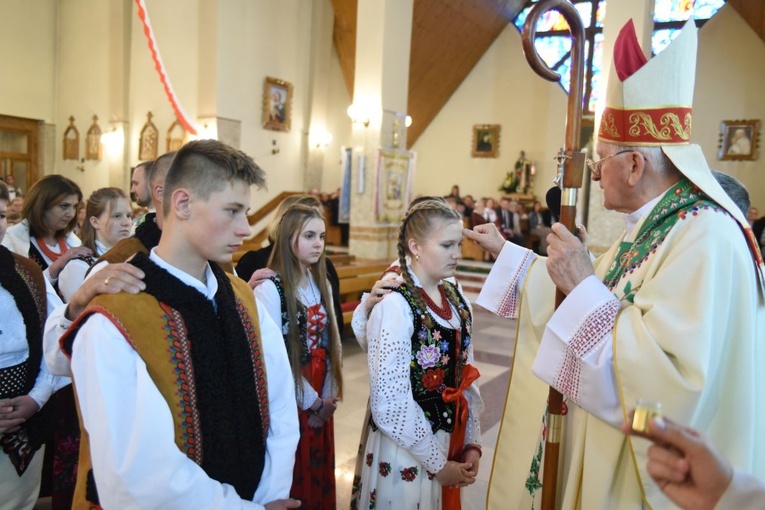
669, 16
554, 41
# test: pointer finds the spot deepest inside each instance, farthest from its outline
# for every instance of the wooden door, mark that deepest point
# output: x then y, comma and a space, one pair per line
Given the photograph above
19, 150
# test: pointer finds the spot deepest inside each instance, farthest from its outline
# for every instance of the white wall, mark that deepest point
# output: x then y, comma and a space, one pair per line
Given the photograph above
729, 85
501, 89
60, 62
83, 57
176, 25
338, 123
28, 54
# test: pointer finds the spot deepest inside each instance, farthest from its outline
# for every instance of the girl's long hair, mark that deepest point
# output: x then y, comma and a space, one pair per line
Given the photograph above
101, 200
44, 194
284, 262
419, 224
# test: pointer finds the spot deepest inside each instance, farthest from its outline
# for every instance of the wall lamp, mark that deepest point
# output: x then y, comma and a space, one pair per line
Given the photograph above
319, 138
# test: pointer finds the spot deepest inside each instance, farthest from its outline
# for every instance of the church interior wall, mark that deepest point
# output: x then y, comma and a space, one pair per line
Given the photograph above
338, 124
177, 28
28, 54
61, 61
258, 39
729, 77
83, 54
501, 89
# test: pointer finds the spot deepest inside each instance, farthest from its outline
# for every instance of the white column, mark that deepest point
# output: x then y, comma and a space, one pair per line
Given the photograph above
604, 226
383, 40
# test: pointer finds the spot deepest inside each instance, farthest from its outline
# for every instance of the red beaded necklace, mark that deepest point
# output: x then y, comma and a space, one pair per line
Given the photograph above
52, 255
446, 312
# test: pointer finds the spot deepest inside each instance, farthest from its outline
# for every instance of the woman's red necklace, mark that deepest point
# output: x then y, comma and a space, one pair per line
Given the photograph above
446, 312
52, 255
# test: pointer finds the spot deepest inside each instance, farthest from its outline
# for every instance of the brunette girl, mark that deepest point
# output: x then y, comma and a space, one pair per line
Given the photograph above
299, 298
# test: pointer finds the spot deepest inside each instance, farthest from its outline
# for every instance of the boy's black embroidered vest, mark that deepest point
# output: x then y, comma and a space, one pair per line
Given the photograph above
207, 362
438, 355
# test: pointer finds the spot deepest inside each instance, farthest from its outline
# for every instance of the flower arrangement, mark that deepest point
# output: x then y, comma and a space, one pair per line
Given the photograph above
510, 184
521, 178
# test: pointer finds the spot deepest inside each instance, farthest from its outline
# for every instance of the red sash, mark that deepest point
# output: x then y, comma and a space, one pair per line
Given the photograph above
450, 496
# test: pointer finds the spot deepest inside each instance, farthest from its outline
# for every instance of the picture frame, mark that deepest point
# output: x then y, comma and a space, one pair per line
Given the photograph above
739, 140
393, 185
277, 104
485, 141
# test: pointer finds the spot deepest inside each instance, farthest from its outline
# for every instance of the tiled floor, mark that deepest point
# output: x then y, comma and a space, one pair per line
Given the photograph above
494, 339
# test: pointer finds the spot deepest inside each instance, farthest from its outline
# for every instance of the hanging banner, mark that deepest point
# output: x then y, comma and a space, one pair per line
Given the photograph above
180, 114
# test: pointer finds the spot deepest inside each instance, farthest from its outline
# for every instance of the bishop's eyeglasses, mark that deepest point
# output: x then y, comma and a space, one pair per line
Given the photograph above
595, 165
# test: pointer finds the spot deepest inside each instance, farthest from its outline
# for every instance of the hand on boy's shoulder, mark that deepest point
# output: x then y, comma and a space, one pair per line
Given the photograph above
113, 278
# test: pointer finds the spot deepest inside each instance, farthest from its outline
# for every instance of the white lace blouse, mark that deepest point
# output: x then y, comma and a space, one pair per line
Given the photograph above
389, 332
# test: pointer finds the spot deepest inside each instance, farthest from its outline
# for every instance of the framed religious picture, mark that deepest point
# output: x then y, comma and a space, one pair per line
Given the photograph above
485, 141
393, 184
277, 104
149, 140
93, 141
71, 141
739, 140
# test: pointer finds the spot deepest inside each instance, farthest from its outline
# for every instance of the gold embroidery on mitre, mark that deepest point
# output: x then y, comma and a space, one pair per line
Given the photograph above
687, 125
669, 122
608, 126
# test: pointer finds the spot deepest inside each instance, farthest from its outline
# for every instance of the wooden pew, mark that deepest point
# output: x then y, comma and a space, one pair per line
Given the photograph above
355, 279
470, 250
333, 235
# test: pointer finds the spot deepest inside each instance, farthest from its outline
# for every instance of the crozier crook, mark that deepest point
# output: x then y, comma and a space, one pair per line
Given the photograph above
570, 161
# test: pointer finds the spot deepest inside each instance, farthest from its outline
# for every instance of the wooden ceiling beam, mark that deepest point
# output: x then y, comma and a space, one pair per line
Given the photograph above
753, 12
449, 37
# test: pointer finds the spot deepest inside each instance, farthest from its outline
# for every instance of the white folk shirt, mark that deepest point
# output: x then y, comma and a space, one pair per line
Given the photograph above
17, 240
14, 348
390, 329
135, 460
73, 274
267, 294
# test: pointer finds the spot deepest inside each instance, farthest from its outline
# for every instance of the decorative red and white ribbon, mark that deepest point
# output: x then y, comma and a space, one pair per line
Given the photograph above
160, 67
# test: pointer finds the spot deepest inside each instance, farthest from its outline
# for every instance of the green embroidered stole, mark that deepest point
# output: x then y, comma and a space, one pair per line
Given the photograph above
677, 203
682, 199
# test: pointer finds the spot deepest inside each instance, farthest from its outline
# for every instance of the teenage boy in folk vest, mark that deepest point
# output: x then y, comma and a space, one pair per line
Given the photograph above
184, 390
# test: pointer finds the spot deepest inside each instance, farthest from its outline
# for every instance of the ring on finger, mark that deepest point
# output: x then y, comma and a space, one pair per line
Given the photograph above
106, 281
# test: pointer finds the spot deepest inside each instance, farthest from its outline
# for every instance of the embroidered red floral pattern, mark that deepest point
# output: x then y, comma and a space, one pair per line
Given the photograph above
433, 379
410, 474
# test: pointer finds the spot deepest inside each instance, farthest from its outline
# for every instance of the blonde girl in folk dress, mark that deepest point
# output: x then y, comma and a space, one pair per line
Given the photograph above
299, 298
107, 220
424, 440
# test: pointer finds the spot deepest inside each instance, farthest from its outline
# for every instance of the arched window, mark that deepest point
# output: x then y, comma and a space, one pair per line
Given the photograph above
554, 42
